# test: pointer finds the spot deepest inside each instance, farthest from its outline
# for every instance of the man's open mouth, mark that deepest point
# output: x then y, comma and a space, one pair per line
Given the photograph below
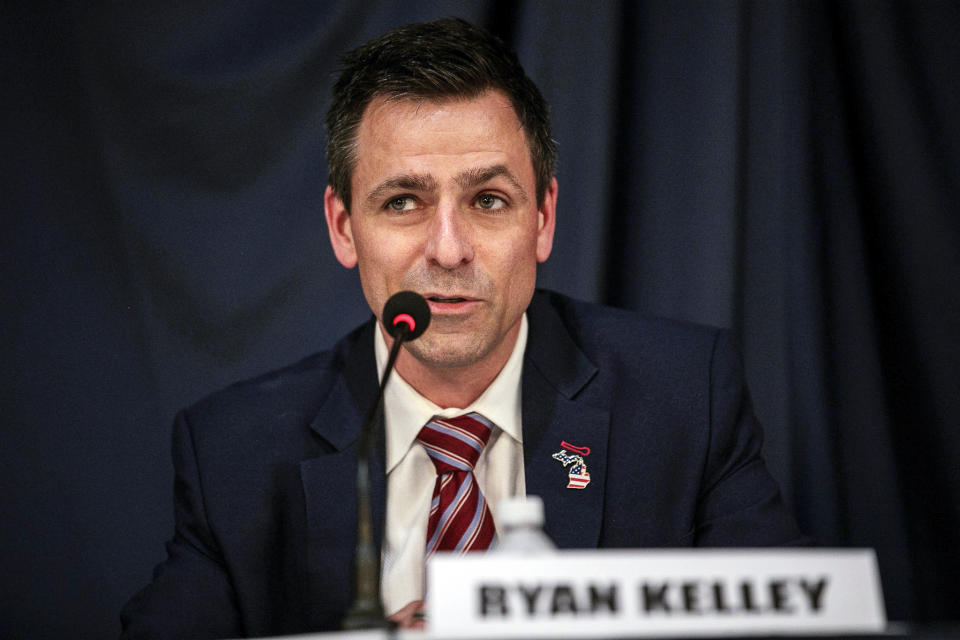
446, 300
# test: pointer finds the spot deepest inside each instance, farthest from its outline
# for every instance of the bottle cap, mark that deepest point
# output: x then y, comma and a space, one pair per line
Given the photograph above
520, 511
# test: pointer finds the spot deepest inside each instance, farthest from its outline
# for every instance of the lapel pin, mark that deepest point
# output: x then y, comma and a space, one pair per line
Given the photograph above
573, 455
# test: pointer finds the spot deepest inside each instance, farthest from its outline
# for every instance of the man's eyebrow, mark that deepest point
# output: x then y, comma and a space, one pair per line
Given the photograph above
475, 177
403, 182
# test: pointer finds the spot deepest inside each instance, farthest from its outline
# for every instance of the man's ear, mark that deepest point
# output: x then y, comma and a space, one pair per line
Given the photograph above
547, 222
338, 226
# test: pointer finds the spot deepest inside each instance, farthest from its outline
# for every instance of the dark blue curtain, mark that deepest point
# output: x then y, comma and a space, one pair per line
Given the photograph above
790, 170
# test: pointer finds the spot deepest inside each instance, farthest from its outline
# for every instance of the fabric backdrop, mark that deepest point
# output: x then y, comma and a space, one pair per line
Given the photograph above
789, 170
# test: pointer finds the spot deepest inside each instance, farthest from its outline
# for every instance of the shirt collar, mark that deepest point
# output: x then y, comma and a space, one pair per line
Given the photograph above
406, 411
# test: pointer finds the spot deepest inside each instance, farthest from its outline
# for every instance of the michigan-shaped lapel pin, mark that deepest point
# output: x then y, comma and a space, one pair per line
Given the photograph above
571, 456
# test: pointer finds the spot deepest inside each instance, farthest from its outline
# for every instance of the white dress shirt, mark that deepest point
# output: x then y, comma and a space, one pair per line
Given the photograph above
411, 474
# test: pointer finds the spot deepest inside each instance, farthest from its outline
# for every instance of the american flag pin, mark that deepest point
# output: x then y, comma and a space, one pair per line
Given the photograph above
572, 456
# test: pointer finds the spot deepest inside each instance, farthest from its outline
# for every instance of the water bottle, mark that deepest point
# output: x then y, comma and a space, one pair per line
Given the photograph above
521, 521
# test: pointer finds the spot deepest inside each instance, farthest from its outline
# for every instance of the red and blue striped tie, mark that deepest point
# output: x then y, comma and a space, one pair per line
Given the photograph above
460, 519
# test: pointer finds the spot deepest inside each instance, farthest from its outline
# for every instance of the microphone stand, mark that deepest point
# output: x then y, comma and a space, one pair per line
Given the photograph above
366, 611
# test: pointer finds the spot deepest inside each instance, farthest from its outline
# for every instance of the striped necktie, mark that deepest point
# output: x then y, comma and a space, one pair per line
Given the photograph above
460, 519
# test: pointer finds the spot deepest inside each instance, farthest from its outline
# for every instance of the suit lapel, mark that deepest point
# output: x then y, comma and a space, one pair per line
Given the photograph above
555, 376
330, 480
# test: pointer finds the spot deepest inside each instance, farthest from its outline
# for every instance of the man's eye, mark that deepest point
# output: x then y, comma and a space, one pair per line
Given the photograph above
490, 201
402, 203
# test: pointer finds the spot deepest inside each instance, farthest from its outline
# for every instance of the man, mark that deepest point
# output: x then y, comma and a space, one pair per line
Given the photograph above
442, 182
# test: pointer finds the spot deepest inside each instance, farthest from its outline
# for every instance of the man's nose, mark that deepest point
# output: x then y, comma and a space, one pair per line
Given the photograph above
449, 243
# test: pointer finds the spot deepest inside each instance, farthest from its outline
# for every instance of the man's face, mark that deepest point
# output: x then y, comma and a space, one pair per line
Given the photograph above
444, 204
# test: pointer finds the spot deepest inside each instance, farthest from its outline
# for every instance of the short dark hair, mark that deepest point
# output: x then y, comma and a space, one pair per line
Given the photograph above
447, 58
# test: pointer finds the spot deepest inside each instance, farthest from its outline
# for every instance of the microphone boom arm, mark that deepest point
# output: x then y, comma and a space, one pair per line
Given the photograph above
366, 611
406, 316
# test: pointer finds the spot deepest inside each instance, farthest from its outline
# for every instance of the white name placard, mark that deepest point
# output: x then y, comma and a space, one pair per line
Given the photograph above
655, 593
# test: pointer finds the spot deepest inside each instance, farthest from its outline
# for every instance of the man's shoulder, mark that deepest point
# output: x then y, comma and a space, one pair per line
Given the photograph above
293, 393
601, 330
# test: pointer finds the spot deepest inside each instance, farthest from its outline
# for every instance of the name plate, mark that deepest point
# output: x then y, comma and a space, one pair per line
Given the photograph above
655, 593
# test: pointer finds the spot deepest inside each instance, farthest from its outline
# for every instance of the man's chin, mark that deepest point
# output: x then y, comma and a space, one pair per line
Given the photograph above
447, 351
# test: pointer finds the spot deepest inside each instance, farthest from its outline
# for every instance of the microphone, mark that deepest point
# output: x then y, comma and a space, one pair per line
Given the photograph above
406, 311
405, 317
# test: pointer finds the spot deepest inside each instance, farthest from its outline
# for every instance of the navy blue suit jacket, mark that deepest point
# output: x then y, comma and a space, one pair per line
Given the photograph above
265, 470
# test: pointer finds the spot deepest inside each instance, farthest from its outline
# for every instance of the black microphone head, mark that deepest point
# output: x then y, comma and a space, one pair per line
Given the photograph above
406, 310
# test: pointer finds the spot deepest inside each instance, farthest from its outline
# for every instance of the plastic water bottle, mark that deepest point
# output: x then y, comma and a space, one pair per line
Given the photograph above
521, 520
